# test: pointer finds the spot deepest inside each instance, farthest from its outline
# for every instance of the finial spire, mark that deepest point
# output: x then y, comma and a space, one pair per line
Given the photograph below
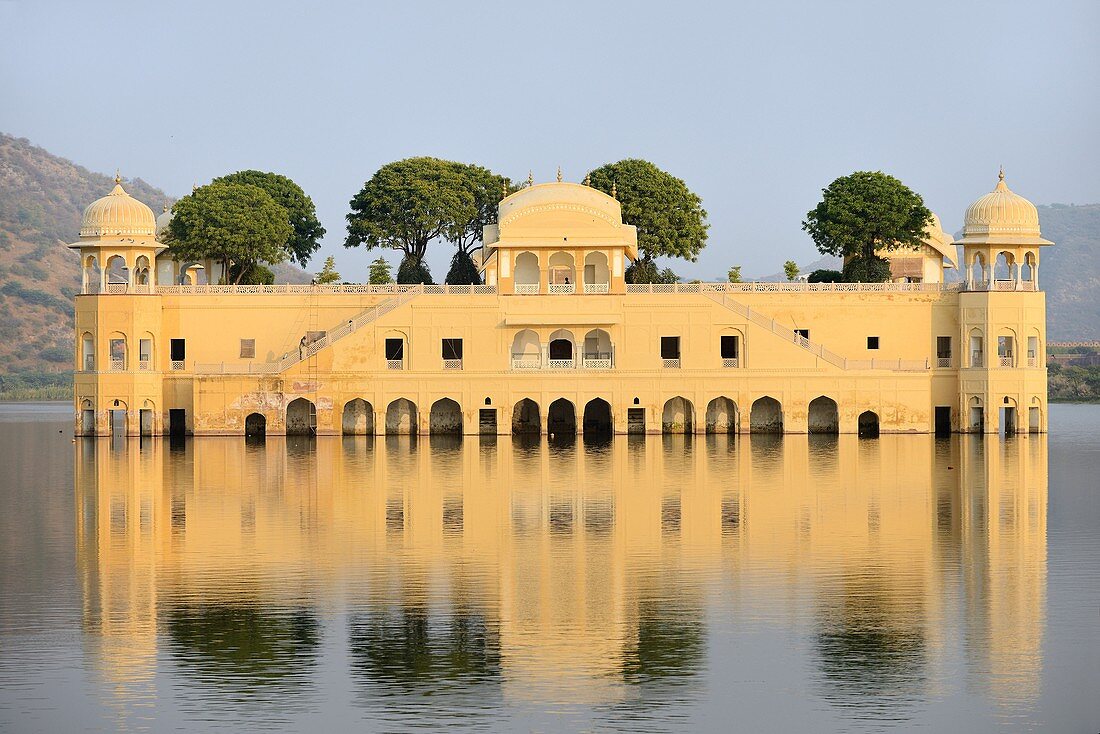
530, 178
614, 190
559, 174
118, 177
503, 188
165, 208
1001, 174
588, 179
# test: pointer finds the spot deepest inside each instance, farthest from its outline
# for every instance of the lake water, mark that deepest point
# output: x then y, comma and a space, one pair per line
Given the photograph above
763, 584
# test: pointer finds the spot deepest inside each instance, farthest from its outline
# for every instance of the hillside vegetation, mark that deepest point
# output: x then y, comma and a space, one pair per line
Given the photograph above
42, 197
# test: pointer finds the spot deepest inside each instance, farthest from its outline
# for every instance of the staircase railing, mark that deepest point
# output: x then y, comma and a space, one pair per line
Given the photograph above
812, 347
330, 337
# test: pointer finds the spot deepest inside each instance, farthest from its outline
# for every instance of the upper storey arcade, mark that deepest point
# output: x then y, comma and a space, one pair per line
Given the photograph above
558, 238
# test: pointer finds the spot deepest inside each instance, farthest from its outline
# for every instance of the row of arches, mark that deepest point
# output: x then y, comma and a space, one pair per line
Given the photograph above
1004, 269
562, 345
115, 271
678, 415
561, 269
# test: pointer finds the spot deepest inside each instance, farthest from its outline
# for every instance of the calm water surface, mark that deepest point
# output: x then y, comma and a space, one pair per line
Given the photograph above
764, 584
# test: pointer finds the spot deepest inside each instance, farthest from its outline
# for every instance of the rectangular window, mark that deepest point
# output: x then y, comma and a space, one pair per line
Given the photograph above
804, 333
118, 349
872, 342
670, 347
145, 349
452, 349
178, 348
1004, 346
248, 348
943, 347
730, 347
395, 350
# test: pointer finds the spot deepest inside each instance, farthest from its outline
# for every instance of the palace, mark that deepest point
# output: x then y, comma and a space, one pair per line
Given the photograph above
556, 341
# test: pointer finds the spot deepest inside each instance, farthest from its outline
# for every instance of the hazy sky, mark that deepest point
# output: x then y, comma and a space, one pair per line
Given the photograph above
757, 106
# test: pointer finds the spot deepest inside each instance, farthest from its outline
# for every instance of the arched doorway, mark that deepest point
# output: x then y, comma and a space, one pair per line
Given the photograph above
358, 418
823, 416
678, 416
527, 273
721, 415
597, 418
525, 418
597, 276
255, 425
766, 416
561, 418
976, 415
868, 424
401, 418
445, 418
562, 275
301, 418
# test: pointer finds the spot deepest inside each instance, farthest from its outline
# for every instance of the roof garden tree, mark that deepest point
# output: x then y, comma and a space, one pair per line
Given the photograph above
306, 234
790, 269
670, 217
237, 224
409, 203
380, 272
863, 212
328, 272
488, 189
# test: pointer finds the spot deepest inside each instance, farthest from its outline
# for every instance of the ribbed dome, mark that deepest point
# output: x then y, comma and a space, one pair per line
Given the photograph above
1001, 213
117, 213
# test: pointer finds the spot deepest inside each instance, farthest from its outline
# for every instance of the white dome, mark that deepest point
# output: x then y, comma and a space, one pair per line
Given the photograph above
163, 220
1002, 216
116, 214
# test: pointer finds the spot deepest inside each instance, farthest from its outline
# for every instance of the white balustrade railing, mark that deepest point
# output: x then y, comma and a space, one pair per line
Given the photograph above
395, 364
176, 365
526, 289
798, 287
1005, 285
730, 363
118, 365
89, 363
1032, 361
559, 289
520, 362
977, 359
1006, 360
596, 363
452, 364
943, 361
670, 364
597, 288
561, 364
145, 365
117, 288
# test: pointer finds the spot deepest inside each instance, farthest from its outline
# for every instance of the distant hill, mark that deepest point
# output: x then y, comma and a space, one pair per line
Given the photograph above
1070, 271
42, 197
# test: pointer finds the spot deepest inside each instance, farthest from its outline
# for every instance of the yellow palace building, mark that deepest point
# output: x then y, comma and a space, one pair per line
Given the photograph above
556, 341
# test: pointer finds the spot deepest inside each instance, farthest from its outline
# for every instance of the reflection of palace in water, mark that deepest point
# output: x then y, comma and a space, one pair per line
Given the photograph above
582, 570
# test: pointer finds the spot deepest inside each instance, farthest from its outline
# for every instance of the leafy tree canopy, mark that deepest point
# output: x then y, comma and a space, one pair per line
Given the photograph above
302, 215
380, 272
412, 271
408, 203
237, 224
644, 270
825, 276
670, 218
865, 211
734, 275
790, 269
328, 272
463, 271
873, 269
488, 189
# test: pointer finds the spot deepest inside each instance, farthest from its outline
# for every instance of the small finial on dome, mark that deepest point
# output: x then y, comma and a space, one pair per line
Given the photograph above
165, 209
118, 177
614, 190
504, 188
1001, 174
530, 178
559, 174
588, 179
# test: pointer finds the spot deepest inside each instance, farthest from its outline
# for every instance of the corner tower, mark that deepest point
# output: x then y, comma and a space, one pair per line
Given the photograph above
1003, 380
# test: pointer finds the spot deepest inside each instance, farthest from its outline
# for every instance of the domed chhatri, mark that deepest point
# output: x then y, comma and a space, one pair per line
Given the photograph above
1002, 216
118, 214
163, 220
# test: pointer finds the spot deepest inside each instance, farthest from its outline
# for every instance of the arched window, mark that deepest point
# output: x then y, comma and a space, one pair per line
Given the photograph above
87, 352
117, 271
141, 271
527, 273
562, 276
1002, 269
597, 350
976, 275
561, 348
93, 275
526, 350
116, 344
597, 277
977, 348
